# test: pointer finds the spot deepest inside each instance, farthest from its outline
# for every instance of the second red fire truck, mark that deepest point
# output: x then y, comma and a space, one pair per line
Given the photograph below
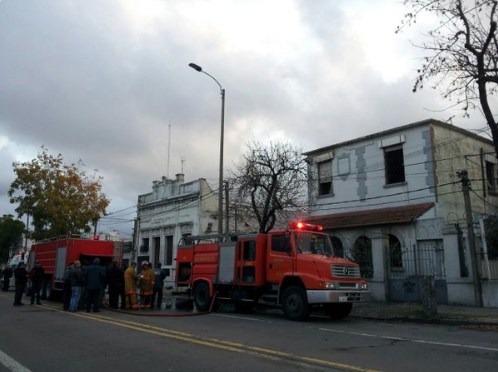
56, 254
294, 268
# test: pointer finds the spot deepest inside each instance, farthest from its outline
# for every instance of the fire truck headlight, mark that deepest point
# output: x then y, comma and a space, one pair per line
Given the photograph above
331, 285
363, 286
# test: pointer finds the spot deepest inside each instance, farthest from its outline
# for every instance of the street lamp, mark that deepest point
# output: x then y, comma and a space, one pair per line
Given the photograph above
220, 186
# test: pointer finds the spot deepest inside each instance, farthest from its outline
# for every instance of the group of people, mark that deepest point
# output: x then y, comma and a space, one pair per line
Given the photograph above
29, 282
127, 289
145, 289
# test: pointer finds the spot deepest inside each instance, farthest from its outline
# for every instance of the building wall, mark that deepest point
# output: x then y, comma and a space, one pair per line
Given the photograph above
173, 209
358, 174
433, 154
454, 152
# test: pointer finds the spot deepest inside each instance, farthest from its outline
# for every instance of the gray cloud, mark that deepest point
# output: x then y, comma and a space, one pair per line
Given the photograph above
84, 80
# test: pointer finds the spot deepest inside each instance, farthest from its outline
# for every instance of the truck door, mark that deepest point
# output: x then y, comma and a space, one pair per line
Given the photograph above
60, 266
280, 259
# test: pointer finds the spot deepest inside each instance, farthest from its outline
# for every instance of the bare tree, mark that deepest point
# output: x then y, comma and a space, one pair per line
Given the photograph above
462, 53
272, 180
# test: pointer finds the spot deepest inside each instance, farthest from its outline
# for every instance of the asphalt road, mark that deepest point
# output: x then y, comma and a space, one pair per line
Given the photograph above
44, 338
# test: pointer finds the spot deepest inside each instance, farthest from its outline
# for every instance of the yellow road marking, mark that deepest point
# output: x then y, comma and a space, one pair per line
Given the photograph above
214, 343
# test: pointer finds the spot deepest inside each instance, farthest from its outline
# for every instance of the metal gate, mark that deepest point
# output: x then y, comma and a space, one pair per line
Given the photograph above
407, 266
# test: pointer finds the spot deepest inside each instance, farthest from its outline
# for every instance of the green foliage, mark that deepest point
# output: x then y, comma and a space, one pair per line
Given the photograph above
60, 198
491, 229
11, 232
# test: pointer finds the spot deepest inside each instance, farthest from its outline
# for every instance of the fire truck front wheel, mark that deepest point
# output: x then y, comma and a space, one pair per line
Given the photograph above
202, 299
295, 303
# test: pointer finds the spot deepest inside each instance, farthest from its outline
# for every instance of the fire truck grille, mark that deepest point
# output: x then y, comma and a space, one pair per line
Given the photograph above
345, 271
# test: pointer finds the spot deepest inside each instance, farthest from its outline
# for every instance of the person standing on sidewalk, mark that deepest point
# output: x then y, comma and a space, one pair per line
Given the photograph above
37, 275
77, 280
131, 278
95, 278
157, 290
115, 281
21, 278
145, 284
66, 287
7, 274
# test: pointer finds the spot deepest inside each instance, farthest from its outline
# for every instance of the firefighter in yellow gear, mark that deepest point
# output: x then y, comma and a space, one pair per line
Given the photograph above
131, 278
146, 284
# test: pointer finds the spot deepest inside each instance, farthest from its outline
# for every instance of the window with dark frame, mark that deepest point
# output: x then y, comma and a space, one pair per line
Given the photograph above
490, 176
145, 245
325, 177
337, 246
362, 255
280, 243
394, 164
395, 253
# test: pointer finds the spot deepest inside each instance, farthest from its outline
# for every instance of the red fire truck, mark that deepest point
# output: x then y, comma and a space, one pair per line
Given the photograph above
56, 254
294, 268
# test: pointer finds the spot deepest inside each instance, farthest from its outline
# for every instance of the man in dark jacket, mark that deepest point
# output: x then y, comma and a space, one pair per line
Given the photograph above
95, 276
21, 278
115, 281
37, 276
157, 290
7, 274
76, 280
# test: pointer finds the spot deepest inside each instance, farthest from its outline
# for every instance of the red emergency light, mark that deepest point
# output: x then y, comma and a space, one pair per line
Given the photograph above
298, 225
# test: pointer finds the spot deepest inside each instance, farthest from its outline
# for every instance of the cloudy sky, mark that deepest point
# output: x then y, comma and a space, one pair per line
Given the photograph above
108, 82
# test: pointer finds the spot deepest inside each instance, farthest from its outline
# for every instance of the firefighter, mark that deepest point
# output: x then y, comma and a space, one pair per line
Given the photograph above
131, 278
145, 283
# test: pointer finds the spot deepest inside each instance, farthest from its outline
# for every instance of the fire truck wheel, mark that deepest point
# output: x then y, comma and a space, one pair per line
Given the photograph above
338, 311
295, 303
202, 299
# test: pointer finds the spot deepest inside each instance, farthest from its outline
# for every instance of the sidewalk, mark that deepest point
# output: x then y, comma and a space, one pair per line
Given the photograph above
446, 314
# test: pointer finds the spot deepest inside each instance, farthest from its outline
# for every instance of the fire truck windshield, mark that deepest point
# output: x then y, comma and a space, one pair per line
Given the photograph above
312, 243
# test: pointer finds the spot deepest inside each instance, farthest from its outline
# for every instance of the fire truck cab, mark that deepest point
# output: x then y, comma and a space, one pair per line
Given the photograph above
294, 268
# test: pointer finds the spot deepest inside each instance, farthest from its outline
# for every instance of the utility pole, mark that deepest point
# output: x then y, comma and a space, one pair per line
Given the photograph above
227, 208
464, 177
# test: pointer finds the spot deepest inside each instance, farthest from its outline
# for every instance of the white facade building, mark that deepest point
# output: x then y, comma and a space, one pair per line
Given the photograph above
393, 201
174, 209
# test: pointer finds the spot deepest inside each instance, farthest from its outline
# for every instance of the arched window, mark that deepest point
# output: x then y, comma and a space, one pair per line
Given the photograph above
395, 253
337, 246
362, 255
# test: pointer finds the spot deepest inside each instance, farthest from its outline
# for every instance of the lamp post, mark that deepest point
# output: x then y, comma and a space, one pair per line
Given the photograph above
220, 185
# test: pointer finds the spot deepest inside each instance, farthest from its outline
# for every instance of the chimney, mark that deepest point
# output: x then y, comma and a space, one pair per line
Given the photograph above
180, 178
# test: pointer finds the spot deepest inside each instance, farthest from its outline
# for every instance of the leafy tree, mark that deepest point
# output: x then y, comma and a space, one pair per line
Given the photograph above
462, 53
11, 232
60, 197
272, 180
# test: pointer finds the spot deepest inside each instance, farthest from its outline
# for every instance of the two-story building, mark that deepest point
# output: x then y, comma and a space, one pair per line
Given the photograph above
173, 210
393, 201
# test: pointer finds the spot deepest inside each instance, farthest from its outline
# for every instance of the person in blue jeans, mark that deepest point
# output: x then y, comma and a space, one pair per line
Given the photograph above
76, 279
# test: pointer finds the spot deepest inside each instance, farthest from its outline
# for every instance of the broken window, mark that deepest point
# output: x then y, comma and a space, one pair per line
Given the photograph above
325, 177
394, 164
